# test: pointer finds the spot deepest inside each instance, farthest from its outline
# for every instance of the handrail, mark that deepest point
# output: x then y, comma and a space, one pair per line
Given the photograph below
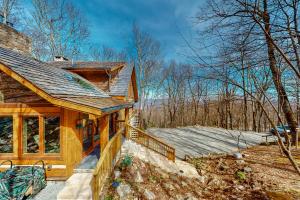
106, 164
153, 143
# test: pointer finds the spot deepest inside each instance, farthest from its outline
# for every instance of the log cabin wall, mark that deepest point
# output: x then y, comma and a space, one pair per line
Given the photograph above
12, 91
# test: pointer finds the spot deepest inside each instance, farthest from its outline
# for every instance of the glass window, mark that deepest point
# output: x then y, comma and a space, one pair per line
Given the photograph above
52, 134
6, 135
31, 135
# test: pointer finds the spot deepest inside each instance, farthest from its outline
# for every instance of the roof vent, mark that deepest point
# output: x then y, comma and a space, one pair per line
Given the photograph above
60, 58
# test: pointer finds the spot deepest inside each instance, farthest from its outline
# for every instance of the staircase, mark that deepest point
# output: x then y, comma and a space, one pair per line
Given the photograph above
134, 122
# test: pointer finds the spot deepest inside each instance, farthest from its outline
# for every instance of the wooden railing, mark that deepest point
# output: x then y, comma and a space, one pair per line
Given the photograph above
153, 143
106, 164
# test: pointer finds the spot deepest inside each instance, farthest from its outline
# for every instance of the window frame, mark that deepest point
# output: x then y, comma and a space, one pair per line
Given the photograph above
14, 131
60, 134
41, 154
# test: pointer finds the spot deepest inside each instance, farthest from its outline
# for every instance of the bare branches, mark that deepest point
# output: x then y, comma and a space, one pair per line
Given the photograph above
58, 28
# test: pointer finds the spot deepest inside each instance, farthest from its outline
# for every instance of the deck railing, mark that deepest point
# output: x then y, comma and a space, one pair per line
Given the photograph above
109, 155
106, 164
152, 143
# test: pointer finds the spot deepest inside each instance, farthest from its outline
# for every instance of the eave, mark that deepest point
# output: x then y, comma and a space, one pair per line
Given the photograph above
46, 96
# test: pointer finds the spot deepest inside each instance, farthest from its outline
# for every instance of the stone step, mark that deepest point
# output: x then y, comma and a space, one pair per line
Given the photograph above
77, 187
83, 170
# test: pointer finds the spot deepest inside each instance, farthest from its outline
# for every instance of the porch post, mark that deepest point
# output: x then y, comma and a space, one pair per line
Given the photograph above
126, 122
104, 131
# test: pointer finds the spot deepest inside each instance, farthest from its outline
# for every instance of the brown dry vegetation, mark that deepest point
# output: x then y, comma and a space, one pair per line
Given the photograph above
271, 177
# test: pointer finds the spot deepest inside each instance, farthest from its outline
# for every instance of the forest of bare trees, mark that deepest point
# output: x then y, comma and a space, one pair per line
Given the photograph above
247, 55
243, 71
242, 68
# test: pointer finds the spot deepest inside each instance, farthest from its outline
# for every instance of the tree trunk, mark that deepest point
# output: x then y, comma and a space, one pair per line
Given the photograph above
285, 105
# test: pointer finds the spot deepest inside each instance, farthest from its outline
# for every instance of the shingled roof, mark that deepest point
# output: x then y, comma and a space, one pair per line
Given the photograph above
120, 85
54, 81
88, 65
104, 104
57, 82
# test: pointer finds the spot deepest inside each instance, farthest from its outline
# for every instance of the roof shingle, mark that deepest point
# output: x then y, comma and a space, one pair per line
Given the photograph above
54, 81
120, 84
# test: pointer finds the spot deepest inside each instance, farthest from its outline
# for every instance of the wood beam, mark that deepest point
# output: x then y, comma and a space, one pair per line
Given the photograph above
104, 131
126, 122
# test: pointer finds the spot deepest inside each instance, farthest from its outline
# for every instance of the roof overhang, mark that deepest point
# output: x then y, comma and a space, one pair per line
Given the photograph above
94, 69
53, 100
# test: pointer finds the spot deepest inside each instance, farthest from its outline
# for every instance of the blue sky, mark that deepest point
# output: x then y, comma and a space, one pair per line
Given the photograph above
111, 22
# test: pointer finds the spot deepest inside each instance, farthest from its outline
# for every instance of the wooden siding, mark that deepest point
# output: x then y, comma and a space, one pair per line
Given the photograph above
59, 167
72, 138
100, 79
14, 92
104, 134
130, 95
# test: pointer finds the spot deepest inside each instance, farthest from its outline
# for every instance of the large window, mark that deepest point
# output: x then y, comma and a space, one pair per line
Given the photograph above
6, 135
52, 134
31, 136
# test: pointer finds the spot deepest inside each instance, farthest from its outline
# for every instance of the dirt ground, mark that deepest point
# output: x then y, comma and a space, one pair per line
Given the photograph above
262, 173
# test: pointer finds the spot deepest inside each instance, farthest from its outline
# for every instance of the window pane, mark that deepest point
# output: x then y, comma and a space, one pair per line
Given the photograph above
6, 135
52, 134
31, 135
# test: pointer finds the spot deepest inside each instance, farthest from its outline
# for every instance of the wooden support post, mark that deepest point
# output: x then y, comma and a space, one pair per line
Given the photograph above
104, 131
126, 122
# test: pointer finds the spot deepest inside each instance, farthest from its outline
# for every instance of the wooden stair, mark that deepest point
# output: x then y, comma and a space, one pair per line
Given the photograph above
134, 122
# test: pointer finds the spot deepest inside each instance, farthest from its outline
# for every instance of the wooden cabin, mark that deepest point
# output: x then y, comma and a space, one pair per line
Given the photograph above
59, 112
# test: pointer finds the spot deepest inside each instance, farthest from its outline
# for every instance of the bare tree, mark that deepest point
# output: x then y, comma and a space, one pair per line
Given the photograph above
147, 59
58, 28
105, 53
10, 10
